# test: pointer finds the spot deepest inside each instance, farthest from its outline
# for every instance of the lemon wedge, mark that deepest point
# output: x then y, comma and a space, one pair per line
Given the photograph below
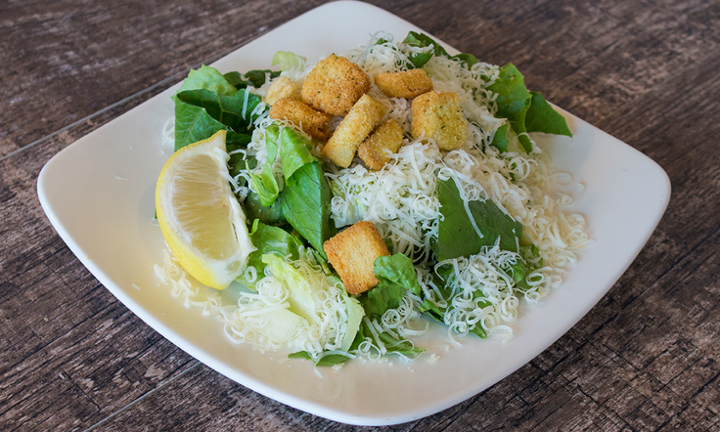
200, 218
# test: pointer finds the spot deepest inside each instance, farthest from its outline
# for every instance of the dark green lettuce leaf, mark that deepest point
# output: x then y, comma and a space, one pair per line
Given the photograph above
234, 112
326, 360
306, 205
513, 99
500, 139
530, 262
456, 235
421, 40
393, 345
442, 280
193, 124
255, 78
270, 215
396, 275
542, 117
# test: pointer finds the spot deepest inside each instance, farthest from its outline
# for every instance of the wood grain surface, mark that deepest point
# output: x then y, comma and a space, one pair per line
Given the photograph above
72, 357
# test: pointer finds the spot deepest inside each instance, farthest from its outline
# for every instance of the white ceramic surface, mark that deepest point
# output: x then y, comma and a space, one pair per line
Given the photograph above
99, 195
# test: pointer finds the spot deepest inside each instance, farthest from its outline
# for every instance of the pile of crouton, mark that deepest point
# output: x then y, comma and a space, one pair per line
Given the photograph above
337, 87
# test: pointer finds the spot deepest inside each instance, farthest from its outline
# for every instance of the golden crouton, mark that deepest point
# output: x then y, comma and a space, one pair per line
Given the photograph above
352, 252
384, 140
282, 88
406, 84
334, 85
352, 130
314, 123
439, 116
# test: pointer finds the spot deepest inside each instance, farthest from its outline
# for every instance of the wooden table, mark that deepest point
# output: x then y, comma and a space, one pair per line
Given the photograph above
72, 357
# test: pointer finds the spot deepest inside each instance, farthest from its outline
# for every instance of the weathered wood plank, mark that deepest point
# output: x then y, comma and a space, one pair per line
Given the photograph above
64, 337
65, 60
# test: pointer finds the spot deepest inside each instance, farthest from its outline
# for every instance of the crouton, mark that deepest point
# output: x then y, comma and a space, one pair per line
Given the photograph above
406, 84
353, 129
438, 115
313, 123
334, 85
352, 252
282, 88
385, 140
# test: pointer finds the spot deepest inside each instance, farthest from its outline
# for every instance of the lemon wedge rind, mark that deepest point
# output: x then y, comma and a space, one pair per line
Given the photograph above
200, 218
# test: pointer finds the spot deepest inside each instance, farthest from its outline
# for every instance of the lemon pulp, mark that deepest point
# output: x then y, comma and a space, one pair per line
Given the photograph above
200, 218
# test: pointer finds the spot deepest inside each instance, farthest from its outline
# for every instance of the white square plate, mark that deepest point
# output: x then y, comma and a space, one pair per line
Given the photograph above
99, 195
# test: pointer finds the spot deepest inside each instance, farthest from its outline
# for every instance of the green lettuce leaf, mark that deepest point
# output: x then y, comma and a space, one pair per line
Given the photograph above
513, 99
396, 275
232, 111
193, 124
542, 117
530, 262
269, 215
500, 139
288, 61
265, 186
269, 239
306, 205
393, 344
441, 280
301, 293
208, 78
456, 235
255, 78
294, 152
325, 361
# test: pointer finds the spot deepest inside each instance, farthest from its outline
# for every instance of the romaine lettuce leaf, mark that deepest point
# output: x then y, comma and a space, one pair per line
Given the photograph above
294, 152
457, 236
265, 186
268, 239
208, 78
193, 124
234, 112
355, 313
396, 275
288, 61
513, 99
306, 205
500, 139
255, 78
269, 215
542, 117
422, 40
301, 298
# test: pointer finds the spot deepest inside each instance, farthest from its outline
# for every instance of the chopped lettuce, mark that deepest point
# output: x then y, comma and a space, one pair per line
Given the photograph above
306, 205
542, 117
301, 293
255, 78
294, 152
208, 78
268, 239
456, 234
396, 275
288, 61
